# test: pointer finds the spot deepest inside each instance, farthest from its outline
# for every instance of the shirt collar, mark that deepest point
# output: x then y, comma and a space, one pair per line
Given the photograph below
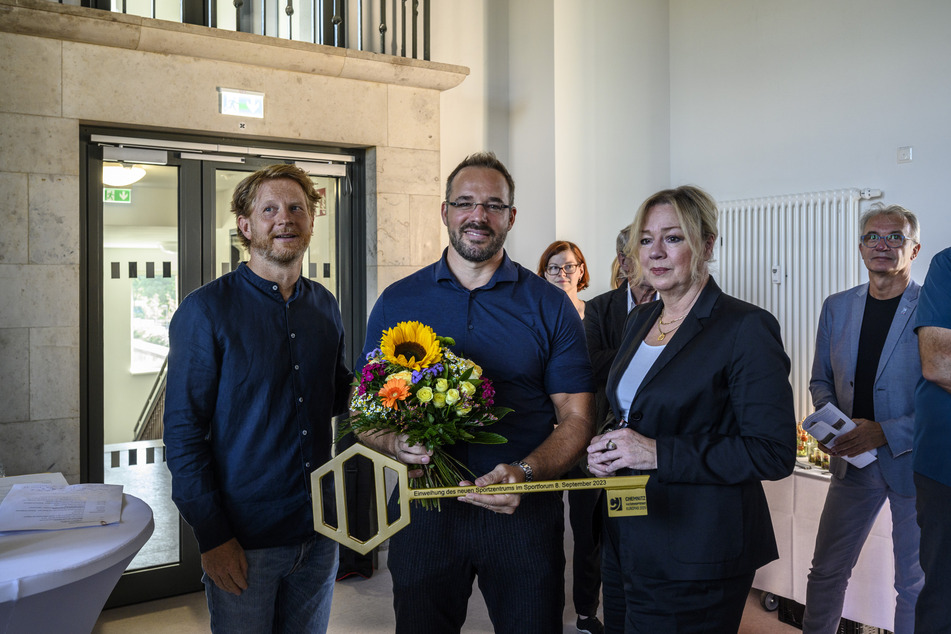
507, 271
269, 288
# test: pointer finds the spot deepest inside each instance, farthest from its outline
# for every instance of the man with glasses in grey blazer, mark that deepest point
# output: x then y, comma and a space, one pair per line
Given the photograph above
867, 364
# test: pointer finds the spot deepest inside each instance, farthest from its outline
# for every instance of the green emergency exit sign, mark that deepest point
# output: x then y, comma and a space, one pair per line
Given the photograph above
116, 195
241, 103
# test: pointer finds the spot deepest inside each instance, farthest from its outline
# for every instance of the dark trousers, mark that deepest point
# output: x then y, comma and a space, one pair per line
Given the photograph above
933, 612
518, 558
634, 604
584, 515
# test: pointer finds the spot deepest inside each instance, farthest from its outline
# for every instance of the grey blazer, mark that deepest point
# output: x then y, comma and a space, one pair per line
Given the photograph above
899, 368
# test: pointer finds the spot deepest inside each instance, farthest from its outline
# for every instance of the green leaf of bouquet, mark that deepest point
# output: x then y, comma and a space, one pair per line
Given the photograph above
488, 438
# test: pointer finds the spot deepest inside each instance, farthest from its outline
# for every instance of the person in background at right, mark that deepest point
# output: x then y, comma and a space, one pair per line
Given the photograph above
604, 325
933, 447
867, 364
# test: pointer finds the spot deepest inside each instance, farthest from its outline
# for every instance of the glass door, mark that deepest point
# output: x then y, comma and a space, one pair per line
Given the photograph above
158, 225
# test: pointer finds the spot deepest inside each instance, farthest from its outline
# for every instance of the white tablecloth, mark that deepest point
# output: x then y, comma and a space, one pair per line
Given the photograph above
795, 504
58, 581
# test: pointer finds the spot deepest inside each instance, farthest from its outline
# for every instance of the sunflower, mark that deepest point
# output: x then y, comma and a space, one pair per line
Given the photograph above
411, 345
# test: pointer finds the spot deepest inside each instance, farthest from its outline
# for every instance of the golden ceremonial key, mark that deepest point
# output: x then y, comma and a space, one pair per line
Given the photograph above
626, 495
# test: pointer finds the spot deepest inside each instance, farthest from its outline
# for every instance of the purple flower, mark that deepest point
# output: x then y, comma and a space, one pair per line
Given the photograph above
488, 392
418, 375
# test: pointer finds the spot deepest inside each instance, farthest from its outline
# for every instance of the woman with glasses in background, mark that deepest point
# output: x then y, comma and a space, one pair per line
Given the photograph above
563, 265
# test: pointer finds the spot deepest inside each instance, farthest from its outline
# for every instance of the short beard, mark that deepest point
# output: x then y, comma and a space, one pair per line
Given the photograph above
265, 247
476, 254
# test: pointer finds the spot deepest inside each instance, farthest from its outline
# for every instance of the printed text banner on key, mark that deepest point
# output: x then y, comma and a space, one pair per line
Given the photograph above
625, 495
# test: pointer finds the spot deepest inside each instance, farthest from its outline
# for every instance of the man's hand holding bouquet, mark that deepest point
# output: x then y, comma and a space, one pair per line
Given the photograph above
413, 385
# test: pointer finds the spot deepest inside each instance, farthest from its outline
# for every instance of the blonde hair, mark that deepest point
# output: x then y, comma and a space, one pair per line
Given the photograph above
697, 213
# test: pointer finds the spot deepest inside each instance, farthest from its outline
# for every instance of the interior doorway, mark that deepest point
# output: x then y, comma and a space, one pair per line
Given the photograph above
157, 226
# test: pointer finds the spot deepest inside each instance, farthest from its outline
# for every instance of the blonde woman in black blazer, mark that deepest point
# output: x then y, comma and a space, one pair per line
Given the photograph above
701, 386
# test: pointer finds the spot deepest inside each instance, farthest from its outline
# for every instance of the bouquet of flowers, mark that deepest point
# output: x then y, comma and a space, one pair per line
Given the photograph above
414, 384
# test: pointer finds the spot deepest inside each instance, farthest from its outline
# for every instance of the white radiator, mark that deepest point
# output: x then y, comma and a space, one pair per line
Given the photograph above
787, 254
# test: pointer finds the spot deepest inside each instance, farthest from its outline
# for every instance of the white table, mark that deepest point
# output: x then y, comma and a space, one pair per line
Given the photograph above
58, 581
795, 505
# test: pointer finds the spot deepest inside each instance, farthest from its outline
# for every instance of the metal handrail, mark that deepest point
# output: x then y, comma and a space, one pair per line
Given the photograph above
149, 426
315, 21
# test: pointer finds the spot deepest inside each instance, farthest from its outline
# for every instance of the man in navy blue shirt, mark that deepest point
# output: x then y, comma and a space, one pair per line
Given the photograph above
529, 341
255, 373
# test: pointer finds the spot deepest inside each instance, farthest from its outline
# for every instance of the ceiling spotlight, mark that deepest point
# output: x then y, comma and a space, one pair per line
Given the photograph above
121, 176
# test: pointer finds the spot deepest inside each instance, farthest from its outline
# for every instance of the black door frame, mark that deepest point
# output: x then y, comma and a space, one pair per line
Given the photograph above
195, 269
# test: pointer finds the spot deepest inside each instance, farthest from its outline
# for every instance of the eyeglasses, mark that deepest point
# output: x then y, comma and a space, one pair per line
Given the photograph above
892, 240
466, 206
554, 269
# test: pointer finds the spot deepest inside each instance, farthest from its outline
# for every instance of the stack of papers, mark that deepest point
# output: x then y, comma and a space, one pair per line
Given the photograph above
46, 502
828, 423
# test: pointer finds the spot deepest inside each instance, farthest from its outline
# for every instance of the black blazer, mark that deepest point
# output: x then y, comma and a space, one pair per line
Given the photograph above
604, 318
719, 404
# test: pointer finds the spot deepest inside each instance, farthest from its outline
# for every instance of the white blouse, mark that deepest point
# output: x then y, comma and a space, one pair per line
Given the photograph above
634, 375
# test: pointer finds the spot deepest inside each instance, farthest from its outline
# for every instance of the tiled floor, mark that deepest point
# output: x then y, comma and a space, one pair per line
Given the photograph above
360, 606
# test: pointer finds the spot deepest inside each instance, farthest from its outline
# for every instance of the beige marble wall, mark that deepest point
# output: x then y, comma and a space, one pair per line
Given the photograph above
63, 66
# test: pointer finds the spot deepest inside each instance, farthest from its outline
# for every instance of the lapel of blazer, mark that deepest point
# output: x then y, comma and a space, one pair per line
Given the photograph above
691, 327
642, 322
906, 308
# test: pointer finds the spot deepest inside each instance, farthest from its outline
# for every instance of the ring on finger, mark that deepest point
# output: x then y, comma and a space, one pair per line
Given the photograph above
610, 446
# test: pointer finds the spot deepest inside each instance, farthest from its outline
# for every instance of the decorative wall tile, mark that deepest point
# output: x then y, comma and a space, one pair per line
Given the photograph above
393, 229
426, 227
43, 145
412, 118
14, 374
31, 72
407, 171
37, 295
54, 373
54, 219
14, 241
41, 446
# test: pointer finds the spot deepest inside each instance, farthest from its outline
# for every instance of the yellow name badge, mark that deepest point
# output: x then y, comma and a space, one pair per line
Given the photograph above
626, 502
625, 492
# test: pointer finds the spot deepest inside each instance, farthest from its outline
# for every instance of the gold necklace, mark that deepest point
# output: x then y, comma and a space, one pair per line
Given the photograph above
663, 335
661, 322
672, 321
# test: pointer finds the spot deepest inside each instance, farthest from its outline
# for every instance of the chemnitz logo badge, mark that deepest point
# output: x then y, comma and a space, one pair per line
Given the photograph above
614, 503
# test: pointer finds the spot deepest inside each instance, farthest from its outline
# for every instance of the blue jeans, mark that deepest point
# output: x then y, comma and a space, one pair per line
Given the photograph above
289, 590
851, 506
